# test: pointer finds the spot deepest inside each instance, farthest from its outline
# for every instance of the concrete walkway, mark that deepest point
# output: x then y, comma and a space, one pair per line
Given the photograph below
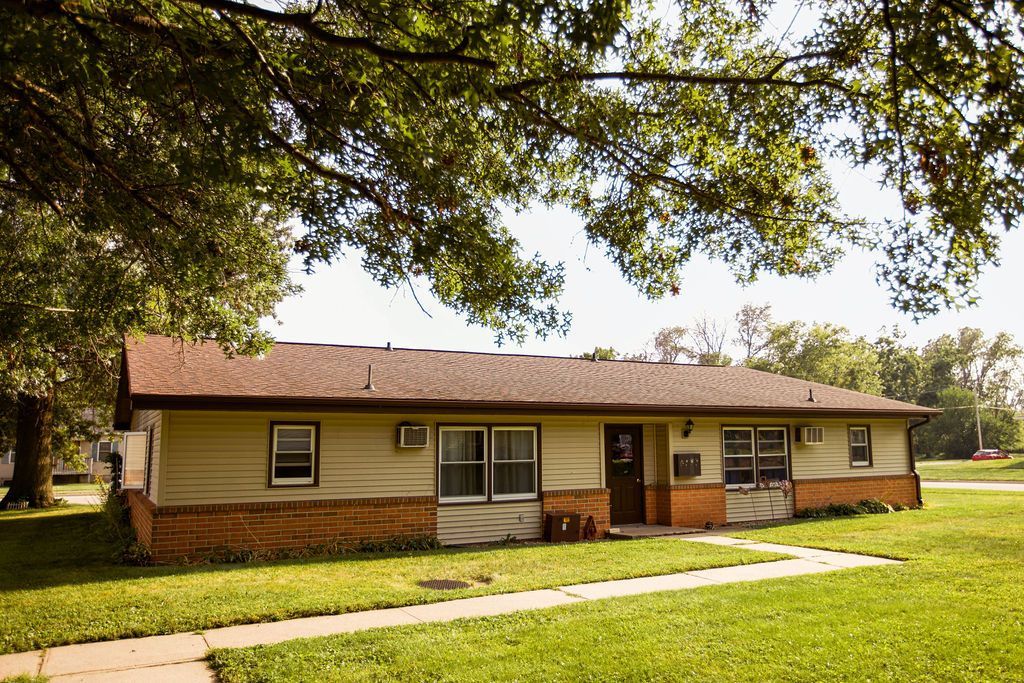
975, 485
179, 658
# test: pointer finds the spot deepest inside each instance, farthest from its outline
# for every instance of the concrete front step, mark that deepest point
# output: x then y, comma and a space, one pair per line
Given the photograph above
628, 531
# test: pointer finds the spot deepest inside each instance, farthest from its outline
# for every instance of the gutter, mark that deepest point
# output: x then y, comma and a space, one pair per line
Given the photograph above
910, 450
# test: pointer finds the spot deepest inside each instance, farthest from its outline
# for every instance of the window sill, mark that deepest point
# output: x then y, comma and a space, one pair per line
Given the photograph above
293, 485
861, 465
484, 501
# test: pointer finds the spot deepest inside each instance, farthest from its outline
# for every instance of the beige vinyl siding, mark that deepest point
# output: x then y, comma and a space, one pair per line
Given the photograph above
487, 522
832, 458
705, 439
650, 454
570, 454
757, 505
223, 457
151, 421
825, 461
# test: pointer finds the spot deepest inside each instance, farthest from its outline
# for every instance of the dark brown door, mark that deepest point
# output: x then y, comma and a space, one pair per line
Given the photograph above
624, 470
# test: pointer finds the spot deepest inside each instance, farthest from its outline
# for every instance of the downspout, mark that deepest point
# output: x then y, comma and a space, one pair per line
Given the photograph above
910, 450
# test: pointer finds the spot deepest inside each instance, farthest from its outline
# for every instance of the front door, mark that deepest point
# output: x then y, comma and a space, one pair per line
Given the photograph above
624, 467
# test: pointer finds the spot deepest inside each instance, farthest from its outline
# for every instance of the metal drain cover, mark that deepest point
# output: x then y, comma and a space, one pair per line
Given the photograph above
443, 584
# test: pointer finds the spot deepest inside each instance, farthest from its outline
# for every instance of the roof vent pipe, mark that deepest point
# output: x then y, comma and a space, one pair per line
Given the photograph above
369, 379
388, 347
810, 395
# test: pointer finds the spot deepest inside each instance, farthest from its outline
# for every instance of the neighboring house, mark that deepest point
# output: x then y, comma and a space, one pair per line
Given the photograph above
306, 446
95, 464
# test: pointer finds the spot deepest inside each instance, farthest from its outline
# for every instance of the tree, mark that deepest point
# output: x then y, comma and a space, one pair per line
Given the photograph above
953, 433
399, 130
753, 331
67, 298
902, 371
823, 353
989, 367
601, 353
706, 342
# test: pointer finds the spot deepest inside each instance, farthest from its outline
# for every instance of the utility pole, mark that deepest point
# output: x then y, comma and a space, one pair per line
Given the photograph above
977, 420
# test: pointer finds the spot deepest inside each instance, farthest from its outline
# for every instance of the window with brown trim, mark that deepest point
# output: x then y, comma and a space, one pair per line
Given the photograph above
860, 445
755, 454
481, 463
294, 454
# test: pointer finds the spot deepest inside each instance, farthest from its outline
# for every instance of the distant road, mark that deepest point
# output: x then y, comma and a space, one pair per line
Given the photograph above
976, 485
82, 499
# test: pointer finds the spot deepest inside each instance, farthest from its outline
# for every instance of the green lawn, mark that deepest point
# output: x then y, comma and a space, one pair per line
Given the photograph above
954, 612
983, 470
59, 585
60, 489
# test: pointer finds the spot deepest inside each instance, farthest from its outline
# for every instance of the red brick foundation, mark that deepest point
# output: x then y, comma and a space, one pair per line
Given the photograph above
140, 512
183, 531
691, 505
813, 493
586, 502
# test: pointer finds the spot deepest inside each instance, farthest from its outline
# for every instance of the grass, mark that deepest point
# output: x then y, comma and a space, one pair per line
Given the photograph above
966, 470
59, 489
954, 611
60, 586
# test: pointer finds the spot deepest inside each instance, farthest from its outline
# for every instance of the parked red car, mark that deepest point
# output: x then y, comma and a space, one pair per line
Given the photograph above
991, 454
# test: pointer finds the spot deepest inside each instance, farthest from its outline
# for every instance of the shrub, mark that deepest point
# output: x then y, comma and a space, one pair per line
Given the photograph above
874, 506
117, 528
868, 506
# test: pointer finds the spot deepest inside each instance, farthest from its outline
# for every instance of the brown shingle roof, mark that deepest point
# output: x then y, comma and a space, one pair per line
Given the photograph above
161, 373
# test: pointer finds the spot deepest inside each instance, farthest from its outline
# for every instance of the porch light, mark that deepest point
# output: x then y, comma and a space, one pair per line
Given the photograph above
687, 429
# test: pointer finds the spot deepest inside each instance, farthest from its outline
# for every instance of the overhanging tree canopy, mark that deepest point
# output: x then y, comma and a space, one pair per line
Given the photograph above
402, 128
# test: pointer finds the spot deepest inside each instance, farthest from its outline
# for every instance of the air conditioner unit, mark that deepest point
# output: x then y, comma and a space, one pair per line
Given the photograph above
810, 436
413, 436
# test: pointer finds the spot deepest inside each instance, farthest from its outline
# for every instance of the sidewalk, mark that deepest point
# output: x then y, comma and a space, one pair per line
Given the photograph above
179, 657
975, 485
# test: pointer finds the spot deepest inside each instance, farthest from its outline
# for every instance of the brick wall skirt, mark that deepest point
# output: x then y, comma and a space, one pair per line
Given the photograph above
140, 512
586, 502
813, 493
691, 505
194, 530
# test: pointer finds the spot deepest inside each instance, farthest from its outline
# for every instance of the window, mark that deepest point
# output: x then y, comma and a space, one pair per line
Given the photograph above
294, 453
478, 463
860, 446
754, 454
738, 446
771, 453
463, 466
515, 462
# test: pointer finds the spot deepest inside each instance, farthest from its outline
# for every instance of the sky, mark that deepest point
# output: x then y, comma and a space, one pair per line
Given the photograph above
340, 304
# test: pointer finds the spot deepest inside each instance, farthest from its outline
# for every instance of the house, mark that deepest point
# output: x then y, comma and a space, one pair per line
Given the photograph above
93, 465
314, 443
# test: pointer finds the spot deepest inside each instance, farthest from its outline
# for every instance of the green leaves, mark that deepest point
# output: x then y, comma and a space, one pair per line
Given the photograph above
401, 130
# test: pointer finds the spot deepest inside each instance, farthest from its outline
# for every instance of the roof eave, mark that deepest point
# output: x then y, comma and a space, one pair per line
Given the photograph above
293, 404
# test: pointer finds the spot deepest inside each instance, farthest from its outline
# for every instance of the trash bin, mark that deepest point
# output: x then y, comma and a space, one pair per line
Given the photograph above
561, 526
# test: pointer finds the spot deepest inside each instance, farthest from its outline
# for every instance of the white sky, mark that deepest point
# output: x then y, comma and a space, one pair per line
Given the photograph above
343, 305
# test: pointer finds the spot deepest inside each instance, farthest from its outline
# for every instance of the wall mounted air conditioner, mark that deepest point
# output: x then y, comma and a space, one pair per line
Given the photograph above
413, 436
810, 436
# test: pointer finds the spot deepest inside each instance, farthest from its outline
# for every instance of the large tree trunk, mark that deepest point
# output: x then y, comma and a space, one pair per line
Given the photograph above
33, 459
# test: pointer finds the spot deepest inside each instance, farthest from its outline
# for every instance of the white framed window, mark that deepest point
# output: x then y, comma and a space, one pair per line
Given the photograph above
738, 447
771, 453
753, 454
293, 454
860, 446
462, 464
514, 462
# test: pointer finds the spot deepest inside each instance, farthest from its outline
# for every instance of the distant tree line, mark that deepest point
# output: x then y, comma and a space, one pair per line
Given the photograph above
961, 372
